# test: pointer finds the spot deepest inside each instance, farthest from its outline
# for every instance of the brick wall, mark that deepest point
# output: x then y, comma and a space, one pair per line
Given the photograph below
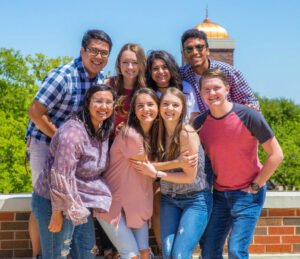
224, 55
277, 231
14, 237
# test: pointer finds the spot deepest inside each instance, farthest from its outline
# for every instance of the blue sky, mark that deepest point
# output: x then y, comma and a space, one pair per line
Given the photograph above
266, 32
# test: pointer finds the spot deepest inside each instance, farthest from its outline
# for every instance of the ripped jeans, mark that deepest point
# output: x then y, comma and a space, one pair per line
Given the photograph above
183, 219
78, 241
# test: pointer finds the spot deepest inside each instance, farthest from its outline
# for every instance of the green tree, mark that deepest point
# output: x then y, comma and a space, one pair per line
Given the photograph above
284, 117
19, 79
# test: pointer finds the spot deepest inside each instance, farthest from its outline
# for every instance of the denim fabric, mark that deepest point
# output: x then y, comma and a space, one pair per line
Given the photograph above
237, 211
183, 220
58, 245
128, 241
38, 151
106, 244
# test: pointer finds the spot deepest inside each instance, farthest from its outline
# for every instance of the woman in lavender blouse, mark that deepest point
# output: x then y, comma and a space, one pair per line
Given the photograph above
71, 183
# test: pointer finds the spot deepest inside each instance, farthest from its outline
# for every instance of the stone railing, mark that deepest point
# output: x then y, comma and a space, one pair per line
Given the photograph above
277, 234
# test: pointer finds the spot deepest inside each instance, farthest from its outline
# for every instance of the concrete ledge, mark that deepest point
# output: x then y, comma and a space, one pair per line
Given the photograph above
270, 256
15, 202
282, 200
22, 201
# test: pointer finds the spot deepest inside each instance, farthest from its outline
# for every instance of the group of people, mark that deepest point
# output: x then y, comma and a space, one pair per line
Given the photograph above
156, 146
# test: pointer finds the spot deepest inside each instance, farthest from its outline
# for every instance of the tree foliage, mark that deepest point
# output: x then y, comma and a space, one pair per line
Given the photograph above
284, 118
19, 80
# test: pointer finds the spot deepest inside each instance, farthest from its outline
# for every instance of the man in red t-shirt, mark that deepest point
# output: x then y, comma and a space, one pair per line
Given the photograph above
230, 134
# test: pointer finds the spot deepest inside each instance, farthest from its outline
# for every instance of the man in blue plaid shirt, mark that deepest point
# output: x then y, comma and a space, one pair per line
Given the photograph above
195, 51
61, 94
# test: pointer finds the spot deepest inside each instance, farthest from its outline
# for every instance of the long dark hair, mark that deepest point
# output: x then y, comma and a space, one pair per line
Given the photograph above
150, 143
174, 148
175, 80
84, 115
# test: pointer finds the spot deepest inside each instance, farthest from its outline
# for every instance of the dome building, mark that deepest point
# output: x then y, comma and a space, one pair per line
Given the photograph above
220, 45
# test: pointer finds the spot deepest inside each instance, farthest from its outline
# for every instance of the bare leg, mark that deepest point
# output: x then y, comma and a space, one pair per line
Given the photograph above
156, 214
145, 253
34, 236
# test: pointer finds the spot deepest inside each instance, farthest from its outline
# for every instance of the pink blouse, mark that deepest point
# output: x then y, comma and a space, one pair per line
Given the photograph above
132, 192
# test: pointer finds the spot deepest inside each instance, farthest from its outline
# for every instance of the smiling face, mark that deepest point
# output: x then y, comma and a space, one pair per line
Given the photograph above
214, 92
195, 53
100, 107
160, 73
92, 62
146, 109
129, 65
170, 107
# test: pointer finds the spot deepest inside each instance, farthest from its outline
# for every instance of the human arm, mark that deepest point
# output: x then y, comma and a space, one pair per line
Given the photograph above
189, 140
273, 160
240, 91
50, 93
185, 159
66, 147
38, 114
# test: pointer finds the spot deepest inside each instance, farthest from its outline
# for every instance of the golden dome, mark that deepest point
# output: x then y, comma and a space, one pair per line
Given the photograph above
212, 30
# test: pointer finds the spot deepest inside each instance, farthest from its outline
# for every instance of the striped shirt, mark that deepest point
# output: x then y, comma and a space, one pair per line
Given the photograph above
62, 93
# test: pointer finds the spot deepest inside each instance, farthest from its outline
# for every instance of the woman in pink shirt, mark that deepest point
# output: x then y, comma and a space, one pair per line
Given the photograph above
126, 224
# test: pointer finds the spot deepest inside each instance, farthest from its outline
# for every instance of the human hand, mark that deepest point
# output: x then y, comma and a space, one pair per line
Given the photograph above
248, 190
144, 168
56, 221
119, 127
253, 106
188, 160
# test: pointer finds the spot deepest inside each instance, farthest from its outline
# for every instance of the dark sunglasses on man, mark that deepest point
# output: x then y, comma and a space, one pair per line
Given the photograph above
190, 49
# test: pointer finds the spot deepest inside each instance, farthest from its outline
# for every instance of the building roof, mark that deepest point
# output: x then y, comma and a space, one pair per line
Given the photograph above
212, 30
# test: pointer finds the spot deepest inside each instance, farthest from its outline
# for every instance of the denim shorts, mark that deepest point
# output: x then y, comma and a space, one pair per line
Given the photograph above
128, 241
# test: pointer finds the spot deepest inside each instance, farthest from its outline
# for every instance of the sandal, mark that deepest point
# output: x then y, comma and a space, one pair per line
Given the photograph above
111, 255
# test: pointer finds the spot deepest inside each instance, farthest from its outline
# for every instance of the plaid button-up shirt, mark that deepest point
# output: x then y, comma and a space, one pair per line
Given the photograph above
62, 93
240, 92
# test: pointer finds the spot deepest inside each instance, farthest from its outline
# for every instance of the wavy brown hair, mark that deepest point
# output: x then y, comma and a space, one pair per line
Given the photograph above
150, 142
174, 148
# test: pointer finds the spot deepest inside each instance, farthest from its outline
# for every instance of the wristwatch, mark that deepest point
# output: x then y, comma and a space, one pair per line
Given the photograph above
159, 174
255, 187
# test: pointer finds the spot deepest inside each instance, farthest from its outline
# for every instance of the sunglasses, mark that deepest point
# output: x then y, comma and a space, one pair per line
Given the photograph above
190, 49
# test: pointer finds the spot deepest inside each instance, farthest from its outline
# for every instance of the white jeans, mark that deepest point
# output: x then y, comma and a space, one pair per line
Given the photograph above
38, 151
128, 241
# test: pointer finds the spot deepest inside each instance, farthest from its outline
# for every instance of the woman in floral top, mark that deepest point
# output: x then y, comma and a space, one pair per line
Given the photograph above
71, 183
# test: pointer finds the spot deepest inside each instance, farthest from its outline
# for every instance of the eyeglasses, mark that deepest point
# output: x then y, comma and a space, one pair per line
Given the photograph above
95, 52
190, 49
102, 102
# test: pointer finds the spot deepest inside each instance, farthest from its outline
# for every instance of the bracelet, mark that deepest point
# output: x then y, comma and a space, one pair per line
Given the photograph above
159, 174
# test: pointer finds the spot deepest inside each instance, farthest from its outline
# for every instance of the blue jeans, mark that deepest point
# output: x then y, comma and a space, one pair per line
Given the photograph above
78, 241
128, 241
237, 211
183, 220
